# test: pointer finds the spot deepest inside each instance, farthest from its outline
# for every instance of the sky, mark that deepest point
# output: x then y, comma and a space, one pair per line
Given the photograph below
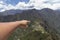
29, 4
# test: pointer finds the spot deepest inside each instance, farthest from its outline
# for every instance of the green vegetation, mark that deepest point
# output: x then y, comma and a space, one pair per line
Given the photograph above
34, 32
38, 29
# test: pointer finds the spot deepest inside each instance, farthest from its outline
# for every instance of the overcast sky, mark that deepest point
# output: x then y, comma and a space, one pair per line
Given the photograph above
29, 4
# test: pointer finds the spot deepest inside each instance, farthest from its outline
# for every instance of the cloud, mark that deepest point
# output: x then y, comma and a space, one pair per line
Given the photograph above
21, 5
56, 6
37, 4
40, 4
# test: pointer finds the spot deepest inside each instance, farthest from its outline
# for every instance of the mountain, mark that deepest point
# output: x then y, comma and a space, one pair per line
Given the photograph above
48, 15
10, 12
50, 18
26, 14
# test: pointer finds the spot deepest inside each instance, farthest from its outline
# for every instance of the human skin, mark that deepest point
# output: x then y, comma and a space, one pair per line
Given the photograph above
6, 28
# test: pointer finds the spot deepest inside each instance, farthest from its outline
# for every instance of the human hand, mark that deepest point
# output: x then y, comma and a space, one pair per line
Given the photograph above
24, 23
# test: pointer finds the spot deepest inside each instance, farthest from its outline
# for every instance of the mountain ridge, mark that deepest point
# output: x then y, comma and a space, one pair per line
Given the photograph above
48, 16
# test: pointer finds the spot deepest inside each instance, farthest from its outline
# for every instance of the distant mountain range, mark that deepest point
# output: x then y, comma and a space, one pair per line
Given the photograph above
51, 17
10, 12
